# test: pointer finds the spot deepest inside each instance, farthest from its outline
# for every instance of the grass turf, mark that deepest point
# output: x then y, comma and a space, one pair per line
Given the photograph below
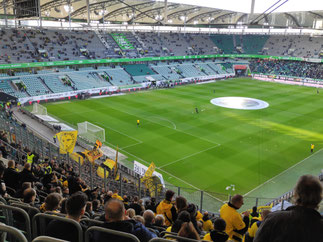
216, 147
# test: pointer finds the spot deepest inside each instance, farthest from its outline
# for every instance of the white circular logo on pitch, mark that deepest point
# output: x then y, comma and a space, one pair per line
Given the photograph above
244, 103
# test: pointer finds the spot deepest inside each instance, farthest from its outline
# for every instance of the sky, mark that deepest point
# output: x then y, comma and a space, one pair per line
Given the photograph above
260, 5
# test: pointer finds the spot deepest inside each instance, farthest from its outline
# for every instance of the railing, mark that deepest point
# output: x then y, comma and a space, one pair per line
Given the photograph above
205, 200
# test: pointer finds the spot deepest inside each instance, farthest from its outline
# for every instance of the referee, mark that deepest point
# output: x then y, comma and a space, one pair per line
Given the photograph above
138, 122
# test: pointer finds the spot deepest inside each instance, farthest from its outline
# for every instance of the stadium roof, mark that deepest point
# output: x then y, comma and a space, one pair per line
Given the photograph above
151, 12
260, 5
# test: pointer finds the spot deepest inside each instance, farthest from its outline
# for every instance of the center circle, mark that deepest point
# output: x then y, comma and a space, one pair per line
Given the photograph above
244, 103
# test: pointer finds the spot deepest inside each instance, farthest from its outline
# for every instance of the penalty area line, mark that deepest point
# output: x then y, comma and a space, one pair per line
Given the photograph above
108, 127
188, 156
124, 151
282, 172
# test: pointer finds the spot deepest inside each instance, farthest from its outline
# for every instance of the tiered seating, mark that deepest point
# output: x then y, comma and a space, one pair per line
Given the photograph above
118, 76
224, 42
217, 67
7, 88
254, 44
65, 44
15, 47
138, 70
84, 80
228, 67
302, 46
55, 84
22, 73
166, 72
207, 69
288, 68
34, 85
45, 71
188, 70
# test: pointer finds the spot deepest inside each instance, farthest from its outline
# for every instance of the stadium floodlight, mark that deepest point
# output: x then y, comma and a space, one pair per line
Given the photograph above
39, 109
91, 132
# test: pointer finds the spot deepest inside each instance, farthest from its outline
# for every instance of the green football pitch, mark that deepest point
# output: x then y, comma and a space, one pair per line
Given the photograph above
216, 147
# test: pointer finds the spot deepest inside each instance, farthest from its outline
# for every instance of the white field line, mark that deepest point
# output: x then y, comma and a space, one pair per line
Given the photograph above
185, 157
127, 146
176, 129
108, 127
146, 118
165, 119
124, 151
282, 172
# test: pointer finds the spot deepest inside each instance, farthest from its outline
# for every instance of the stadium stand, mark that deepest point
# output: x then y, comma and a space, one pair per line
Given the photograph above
287, 68
55, 84
26, 207
138, 70
225, 43
45, 193
49, 45
65, 45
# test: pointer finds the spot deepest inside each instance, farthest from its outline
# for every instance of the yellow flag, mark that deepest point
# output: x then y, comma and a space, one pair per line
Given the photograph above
100, 172
67, 141
117, 177
76, 157
93, 155
109, 163
150, 171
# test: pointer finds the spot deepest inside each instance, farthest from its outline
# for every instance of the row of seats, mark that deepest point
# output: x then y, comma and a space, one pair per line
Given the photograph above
49, 45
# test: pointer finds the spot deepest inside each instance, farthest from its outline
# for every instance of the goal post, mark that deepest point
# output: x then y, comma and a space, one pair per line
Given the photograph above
91, 132
39, 109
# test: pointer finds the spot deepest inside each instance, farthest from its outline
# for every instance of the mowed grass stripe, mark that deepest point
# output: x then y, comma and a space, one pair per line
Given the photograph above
255, 145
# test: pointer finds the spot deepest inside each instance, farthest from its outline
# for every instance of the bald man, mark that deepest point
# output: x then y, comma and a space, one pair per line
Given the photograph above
115, 219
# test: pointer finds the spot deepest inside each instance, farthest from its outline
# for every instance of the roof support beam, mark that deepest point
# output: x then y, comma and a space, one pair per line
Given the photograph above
201, 15
165, 13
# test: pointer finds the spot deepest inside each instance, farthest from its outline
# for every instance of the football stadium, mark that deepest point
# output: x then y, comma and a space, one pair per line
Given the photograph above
150, 120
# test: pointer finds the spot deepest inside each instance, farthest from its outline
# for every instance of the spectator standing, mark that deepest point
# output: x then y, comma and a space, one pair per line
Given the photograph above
301, 222
11, 176
167, 209
3, 189
136, 206
26, 175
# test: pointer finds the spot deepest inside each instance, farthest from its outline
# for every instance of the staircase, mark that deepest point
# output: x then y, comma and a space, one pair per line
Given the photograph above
102, 39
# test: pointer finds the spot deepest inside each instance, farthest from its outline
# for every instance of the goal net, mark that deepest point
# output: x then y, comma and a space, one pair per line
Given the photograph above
91, 132
39, 109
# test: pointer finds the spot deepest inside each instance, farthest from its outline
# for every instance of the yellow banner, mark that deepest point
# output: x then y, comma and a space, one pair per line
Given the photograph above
150, 181
149, 171
76, 157
100, 172
153, 185
109, 163
67, 141
93, 155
